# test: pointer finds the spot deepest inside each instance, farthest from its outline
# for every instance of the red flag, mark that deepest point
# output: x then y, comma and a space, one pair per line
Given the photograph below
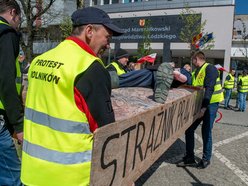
219, 67
149, 58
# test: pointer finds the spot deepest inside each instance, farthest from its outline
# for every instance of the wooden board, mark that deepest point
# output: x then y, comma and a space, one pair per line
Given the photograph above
143, 131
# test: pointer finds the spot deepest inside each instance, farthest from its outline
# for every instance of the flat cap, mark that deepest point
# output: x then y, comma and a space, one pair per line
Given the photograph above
120, 53
92, 15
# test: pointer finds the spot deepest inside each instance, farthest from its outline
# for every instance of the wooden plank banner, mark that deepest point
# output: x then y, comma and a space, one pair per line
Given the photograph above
144, 130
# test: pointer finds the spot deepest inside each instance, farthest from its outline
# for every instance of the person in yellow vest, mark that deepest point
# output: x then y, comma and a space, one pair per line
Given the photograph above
242, 90
11, 108
123, 76
205, 75
119, 65
68, 98
228, 86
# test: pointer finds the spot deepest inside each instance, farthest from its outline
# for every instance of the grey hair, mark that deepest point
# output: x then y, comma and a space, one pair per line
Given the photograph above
76, 30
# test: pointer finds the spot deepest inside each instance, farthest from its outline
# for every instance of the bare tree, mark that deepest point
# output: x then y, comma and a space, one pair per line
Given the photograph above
33, 10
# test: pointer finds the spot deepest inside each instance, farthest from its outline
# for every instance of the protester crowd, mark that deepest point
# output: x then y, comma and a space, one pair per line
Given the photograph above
69, 98
240, 84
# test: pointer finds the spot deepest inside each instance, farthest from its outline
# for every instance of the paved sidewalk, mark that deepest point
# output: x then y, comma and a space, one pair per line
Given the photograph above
229, 164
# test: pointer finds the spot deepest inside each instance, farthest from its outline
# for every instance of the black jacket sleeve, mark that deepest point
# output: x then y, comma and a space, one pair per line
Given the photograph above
111, 68
240, 82
188, 75
209, 83
95, 86
9, 50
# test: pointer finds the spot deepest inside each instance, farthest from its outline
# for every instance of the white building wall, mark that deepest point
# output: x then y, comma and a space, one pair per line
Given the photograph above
240, 38
219, 21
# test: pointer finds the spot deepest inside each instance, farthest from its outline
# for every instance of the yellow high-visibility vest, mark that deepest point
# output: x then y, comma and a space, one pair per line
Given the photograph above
229, 84
119, 70
244, 85
217, 95
57, 142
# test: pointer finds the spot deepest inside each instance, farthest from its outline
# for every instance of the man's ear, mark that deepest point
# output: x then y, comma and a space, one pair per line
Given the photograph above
89, 31
13, 12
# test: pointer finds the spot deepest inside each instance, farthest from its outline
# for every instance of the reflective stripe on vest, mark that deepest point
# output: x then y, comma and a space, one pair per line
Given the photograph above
217, 95
229, 84
18, 80
118, 69
56, 156
56, 123
57, 138
244, 85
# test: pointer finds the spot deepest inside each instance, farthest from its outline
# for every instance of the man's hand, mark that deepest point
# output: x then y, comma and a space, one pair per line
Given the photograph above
179, 77
19, 137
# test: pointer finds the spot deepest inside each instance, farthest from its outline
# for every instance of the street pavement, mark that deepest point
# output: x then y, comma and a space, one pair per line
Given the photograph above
229, 164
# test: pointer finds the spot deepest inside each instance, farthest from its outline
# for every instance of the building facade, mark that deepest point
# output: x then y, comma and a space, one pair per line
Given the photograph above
239, 51
166, 26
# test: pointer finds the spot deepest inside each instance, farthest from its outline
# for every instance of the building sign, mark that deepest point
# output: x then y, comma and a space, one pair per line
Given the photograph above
162, 28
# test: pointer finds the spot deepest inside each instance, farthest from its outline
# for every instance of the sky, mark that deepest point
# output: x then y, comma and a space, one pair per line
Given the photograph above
241, 7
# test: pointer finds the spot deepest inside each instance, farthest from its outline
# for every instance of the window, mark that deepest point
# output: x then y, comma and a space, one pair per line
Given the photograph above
131, 1
105, 2
93, 2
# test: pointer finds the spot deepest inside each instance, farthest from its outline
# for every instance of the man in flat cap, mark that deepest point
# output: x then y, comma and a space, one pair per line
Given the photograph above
119, 65
67, 100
